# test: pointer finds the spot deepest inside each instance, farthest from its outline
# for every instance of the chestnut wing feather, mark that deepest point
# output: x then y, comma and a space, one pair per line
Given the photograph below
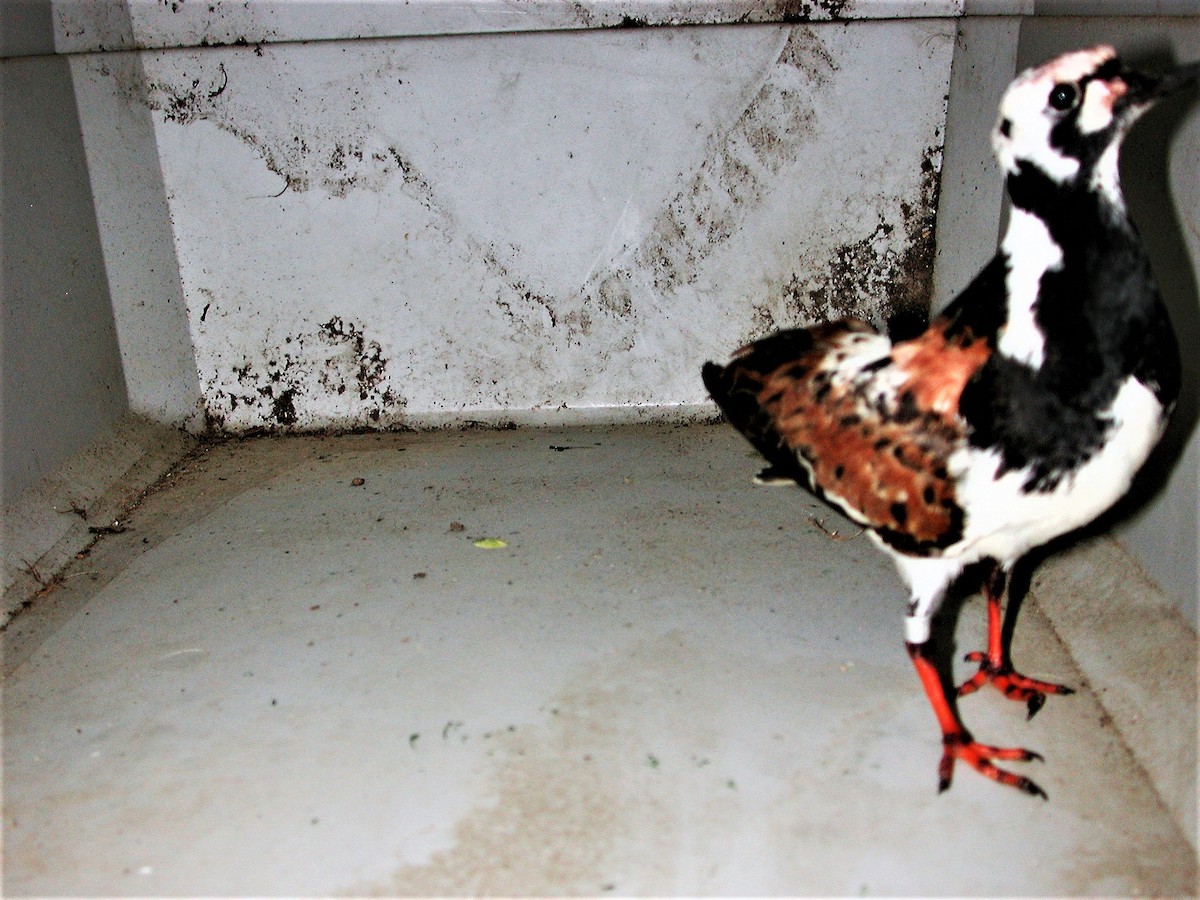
865, 425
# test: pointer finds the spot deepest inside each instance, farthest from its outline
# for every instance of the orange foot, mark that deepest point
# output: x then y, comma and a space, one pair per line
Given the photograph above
960, 745
1013, 685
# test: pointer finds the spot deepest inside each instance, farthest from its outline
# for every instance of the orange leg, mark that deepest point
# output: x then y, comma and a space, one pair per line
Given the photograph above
994, 664
957, 742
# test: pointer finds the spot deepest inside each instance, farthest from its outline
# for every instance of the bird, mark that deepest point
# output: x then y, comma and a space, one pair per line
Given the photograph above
1022, 411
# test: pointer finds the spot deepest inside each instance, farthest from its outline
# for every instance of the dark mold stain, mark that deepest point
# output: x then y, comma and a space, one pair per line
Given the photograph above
367, 355
520, 304
891, 287
911, 291
334, 161
786, 11
806, 10
182, 105
835, 9
283, 409
763, 323
335, 360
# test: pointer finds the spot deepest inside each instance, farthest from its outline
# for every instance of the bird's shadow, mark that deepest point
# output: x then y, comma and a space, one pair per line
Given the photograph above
1145, 171
944, 645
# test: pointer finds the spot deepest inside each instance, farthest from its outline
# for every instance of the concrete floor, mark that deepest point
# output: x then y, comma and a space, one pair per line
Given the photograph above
296, 673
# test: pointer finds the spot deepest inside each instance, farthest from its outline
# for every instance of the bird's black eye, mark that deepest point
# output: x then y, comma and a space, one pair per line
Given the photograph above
1063, 96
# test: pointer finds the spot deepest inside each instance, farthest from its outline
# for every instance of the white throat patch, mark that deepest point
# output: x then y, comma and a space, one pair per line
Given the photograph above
1031, 252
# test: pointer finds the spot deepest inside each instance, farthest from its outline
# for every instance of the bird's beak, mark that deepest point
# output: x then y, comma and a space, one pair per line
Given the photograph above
1144, 90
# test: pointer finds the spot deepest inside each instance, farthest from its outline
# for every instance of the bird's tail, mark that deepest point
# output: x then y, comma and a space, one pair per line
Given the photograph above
736, 389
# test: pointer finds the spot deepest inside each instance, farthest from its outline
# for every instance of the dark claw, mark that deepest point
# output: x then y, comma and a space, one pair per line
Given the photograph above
1033, 704
1032, 789
945, 773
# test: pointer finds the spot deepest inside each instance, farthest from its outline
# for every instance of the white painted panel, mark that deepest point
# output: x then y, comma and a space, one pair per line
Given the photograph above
393, 232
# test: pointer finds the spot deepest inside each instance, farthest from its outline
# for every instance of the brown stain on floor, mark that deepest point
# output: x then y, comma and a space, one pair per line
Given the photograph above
566, 795
550, 821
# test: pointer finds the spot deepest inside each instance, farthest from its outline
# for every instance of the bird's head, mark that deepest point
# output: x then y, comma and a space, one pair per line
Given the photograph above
1066, 118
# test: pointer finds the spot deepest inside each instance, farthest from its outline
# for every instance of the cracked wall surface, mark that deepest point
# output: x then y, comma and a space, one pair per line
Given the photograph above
388, 233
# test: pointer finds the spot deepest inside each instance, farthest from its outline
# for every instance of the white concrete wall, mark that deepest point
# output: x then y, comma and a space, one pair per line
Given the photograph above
426, 230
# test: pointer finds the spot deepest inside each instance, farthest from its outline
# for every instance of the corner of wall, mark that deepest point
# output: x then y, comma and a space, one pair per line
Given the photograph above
137, 235
969, 210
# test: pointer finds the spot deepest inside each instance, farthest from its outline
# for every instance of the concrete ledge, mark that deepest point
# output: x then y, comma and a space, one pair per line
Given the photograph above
49, 523
1139, 655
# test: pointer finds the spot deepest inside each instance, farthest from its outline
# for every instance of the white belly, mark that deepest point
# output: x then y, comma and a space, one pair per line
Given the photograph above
1004, 521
